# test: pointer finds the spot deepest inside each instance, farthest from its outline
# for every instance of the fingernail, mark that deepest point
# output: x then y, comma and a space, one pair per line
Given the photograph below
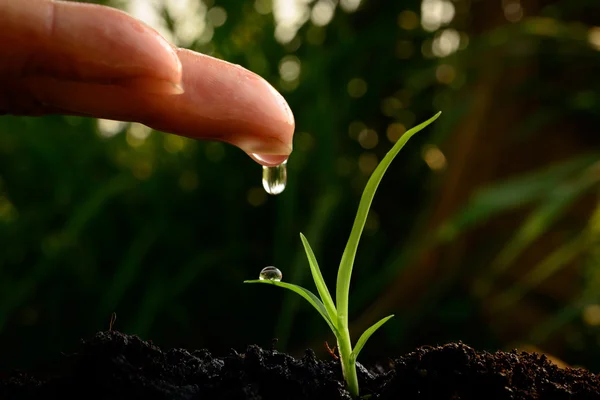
152, 86
269, 160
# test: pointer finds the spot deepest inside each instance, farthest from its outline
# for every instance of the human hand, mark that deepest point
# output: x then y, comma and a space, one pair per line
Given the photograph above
59, 57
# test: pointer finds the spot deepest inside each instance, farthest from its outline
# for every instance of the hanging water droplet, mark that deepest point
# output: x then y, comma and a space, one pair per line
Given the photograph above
270, 274
274, 179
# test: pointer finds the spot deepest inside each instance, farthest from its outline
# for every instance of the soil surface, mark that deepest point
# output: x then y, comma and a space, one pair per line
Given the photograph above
112, 365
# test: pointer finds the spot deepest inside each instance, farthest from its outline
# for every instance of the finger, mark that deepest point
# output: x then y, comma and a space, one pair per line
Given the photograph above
84, 42
222, 101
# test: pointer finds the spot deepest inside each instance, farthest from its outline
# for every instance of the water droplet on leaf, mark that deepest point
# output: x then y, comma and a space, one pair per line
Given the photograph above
270, 274
274, 179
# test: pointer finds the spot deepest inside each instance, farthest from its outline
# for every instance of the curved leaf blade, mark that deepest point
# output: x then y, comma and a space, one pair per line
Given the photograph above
319, 281
347, 262
307, 295
366, 335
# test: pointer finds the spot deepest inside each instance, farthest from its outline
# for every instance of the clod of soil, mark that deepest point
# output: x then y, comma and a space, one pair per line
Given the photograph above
112, 365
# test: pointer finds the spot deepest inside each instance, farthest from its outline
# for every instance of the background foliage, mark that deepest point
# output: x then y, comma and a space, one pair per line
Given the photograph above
486, 229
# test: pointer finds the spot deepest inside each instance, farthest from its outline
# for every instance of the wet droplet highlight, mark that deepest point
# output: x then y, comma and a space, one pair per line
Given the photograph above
274, 179
270, 274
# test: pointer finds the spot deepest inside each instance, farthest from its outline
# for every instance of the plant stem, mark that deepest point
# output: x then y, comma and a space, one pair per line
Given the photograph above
347, 361
347, 262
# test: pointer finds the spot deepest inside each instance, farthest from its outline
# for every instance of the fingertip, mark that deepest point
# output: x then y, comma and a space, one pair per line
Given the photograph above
227, 102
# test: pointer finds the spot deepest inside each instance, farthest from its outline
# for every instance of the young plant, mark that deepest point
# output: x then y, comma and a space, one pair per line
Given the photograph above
336, 315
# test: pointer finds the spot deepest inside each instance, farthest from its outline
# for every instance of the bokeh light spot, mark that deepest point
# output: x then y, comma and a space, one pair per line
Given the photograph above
591, 315
433, 156
350, 5
368, 139
8, 212
390, 106
217, 16
173, 143
367, 162
322, 12
404, 95
263, 7
289, 68
139, 131
445, 73
594, 37
446, 43
109, 128
189, 17
355, 128
357, 87
289, 16
513, 11
394, 131
436, 13
207, 36
285, 34
134, 141
408, 20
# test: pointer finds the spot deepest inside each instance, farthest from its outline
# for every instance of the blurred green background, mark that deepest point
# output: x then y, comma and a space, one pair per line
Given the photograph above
486, 228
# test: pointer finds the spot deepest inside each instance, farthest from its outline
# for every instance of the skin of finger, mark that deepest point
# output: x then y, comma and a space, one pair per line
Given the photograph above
222, 101
78, 41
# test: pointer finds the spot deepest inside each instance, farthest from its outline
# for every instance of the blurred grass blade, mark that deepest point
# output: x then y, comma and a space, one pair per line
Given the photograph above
537, 223
347, 262
589, 293
512, 194
319, 281
308, 296
542, 271
366, 335
534, 185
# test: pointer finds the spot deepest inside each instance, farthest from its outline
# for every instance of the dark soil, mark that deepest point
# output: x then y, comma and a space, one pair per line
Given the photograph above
113, 366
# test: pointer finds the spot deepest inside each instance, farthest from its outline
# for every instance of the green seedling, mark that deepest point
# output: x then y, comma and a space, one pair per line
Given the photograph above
336, 315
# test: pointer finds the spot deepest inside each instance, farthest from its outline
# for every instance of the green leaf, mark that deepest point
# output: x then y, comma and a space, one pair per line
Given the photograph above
345, 269
319, 281
366, 335
308, 296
